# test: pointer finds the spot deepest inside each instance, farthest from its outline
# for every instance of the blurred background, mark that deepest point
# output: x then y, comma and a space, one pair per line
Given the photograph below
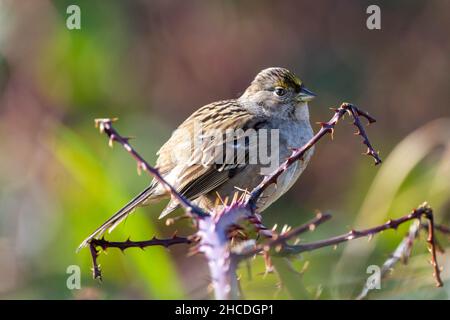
152, 63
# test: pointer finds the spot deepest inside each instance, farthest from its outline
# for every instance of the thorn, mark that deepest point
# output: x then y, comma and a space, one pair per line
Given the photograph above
351, 235
111, 140
235, 197
392, 225
243, 195
127, 139
324, 125
139, 169
216, 202
305, 267
370, 120
220, 199
193, 251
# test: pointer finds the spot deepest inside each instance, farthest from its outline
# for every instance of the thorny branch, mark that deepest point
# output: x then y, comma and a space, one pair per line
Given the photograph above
122, 245
325, 128
214, 237
105, 125
283, 248
401, 253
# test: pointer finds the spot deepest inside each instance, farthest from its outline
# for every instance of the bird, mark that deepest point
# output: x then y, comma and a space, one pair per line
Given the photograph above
198, 164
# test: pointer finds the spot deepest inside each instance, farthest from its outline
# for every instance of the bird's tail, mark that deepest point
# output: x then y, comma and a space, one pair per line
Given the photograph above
120, 215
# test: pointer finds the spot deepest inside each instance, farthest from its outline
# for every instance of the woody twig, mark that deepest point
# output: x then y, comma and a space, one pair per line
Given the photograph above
123, 245
325, 128
282, 247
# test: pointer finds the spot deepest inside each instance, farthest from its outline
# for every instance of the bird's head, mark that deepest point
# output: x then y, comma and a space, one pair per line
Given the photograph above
278, 92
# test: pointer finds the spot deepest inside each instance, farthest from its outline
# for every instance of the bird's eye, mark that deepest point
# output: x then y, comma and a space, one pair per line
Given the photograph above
280, 91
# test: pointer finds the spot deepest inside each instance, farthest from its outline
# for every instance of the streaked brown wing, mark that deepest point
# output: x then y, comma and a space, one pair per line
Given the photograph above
206, 169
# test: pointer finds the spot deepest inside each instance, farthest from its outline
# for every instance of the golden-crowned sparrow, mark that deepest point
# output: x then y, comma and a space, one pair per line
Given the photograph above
275, 101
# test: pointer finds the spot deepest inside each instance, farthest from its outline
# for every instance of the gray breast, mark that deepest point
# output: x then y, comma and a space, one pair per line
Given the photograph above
292, 135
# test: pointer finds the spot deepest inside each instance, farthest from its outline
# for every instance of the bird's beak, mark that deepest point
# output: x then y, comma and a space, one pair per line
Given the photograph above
305, 95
